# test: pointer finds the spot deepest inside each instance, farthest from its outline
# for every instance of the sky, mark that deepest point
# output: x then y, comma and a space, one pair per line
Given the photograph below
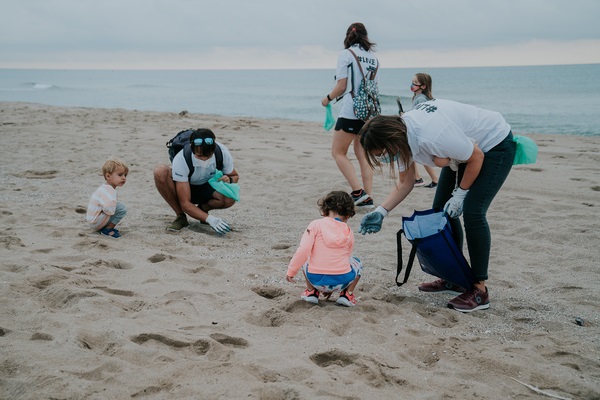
282, 34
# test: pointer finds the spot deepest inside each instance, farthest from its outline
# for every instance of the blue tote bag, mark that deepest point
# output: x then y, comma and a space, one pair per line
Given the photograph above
430, 234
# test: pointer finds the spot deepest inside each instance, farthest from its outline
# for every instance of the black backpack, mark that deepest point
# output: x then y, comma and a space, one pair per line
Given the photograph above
181, 141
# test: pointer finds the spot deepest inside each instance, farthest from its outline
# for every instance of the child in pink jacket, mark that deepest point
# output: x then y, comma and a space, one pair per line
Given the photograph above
325, 253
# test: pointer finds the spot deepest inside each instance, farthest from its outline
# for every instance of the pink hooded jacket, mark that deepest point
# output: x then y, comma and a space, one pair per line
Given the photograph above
327, 243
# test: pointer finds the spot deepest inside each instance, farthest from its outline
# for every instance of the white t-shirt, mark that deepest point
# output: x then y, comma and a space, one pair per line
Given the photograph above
368, 62
203, 170
445, 128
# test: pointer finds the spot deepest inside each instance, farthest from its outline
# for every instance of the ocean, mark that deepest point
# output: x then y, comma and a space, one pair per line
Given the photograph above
562, 99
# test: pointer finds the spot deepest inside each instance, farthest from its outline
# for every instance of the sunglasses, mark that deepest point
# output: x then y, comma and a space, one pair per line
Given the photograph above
198, 141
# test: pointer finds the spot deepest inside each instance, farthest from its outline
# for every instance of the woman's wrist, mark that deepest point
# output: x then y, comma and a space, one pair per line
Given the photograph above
329, 97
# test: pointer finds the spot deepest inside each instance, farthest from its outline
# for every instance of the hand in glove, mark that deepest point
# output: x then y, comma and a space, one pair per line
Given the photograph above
371, 223
219, 225
454, 206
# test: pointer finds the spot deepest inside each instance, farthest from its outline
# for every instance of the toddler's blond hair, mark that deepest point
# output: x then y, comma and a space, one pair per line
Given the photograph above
112, 164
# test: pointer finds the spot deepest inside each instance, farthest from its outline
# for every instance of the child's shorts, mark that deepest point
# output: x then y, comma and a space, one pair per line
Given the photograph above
333, 283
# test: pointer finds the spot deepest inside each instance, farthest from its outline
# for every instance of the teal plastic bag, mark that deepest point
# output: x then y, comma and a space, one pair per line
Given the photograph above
329, 120
527, 150
231, 190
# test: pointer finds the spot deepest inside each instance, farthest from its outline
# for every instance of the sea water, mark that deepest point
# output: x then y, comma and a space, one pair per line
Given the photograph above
562, 99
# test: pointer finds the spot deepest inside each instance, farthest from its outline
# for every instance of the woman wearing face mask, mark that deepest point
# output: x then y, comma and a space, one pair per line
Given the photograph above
475, 149
421, 88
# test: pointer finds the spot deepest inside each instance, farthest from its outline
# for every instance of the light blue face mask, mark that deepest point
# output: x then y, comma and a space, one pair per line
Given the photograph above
385, 158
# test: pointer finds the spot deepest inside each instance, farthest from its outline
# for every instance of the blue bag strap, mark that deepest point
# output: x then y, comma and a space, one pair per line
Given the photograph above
411, 258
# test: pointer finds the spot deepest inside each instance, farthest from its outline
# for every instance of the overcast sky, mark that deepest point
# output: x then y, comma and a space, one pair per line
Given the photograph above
249, 34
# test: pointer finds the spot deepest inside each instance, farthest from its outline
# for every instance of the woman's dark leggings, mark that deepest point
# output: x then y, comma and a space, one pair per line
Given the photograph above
496, 166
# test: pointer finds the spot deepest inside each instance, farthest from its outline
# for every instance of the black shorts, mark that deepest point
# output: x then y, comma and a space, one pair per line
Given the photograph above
349, 125
201, 194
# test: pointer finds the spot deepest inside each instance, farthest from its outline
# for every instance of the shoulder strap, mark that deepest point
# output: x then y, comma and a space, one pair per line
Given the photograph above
358, 62
187, 154
411, 259
219, 157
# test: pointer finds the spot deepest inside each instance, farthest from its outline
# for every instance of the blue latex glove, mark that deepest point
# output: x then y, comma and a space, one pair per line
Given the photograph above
371, 223
454, 206
219, 225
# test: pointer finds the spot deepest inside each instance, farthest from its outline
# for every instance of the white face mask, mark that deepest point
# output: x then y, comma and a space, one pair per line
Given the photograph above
203, 163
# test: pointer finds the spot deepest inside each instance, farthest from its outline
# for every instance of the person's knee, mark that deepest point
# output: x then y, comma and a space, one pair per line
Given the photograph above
161, 173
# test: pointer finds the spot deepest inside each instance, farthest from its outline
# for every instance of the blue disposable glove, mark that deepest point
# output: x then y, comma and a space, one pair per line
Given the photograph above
371, 223
219, 225
454, 206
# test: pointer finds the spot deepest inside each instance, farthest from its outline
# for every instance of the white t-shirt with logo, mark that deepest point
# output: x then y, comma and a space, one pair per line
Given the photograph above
445, 128
203, 170
368, 62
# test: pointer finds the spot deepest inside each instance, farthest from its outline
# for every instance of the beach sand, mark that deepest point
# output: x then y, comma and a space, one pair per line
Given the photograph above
195, 315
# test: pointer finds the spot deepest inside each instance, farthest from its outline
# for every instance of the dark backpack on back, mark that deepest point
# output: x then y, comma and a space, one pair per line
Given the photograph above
181, 141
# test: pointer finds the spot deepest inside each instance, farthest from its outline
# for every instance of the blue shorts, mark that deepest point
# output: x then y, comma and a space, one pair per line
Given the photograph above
332, 283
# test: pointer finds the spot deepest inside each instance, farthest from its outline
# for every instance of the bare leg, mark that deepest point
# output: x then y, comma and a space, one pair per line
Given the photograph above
218, 202
166, 187
352, 286
417, 175
366, 172
339, 151
432, 173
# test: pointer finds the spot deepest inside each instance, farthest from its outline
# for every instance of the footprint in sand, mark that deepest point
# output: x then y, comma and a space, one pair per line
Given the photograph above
270, 318
118, 292
230, 341
368, 370
281, 246
200, 347
41, 336
268, 292
158, 258
50, 174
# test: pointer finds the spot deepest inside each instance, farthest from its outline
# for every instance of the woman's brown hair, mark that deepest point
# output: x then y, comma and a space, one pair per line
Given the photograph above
357, 33
386, 133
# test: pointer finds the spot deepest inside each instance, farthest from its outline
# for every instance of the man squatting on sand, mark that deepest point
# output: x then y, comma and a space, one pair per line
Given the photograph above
193, 195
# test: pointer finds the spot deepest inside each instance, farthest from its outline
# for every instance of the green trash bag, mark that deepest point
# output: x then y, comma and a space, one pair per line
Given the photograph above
329, 120
527, 150
231, 190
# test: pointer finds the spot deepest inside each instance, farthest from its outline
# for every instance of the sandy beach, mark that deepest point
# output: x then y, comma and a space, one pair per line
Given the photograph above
195, 315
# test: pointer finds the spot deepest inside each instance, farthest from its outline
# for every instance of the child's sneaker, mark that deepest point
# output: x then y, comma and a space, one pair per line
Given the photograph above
366, 204
312, 296
346, 299
358, 196
110, 232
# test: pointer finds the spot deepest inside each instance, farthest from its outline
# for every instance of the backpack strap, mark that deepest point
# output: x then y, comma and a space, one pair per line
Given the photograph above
411, 259
359, 68
187, 154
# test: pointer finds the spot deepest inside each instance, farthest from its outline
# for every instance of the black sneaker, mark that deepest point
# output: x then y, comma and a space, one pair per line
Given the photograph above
366, 204
431, 185
419, 182
359, 196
